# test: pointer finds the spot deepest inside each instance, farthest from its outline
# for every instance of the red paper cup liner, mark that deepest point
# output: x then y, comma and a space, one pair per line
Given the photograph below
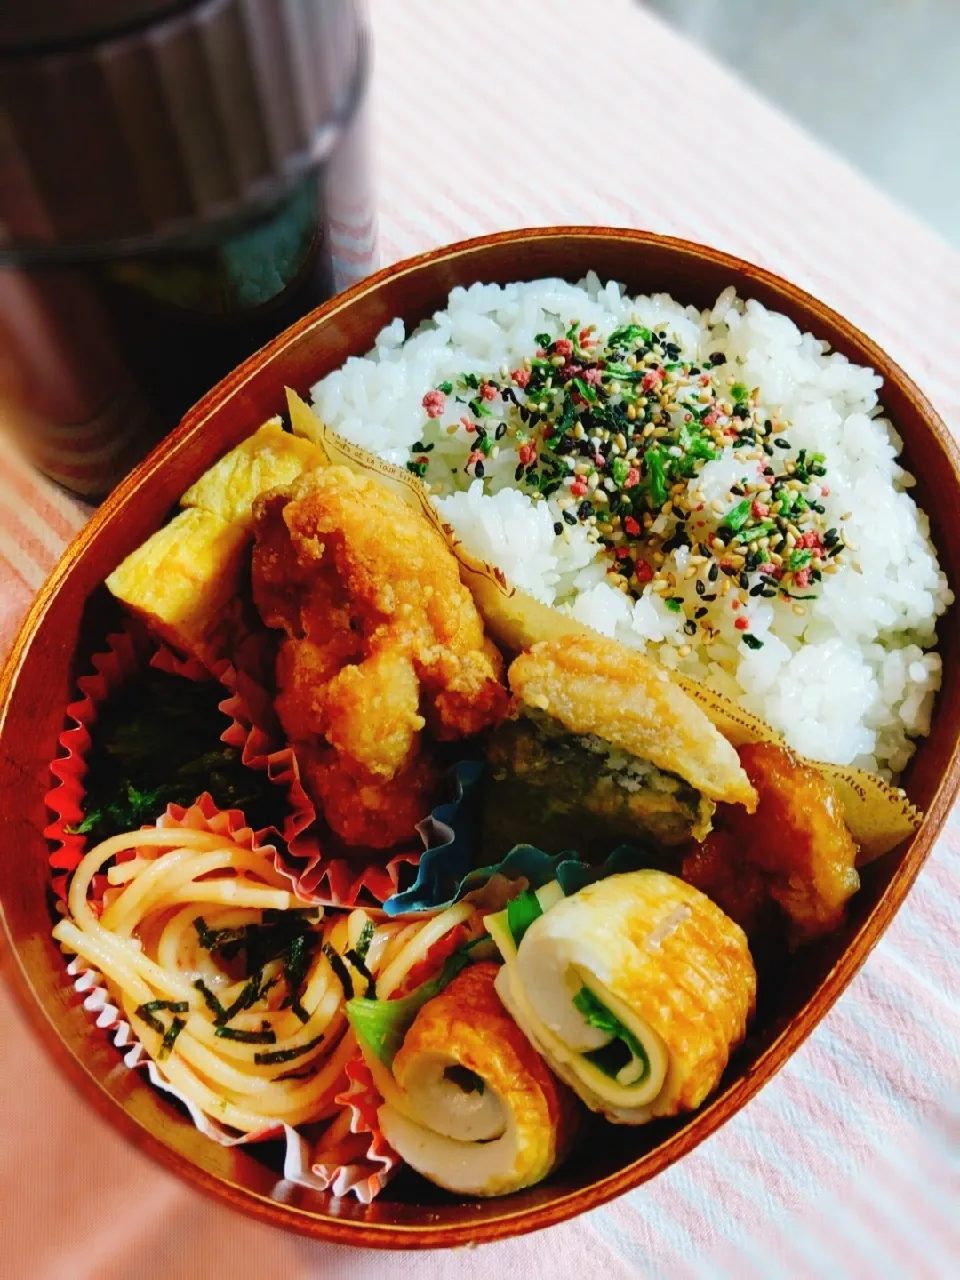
127, 652
364, 1164
364, 1176
318, 878
315, 875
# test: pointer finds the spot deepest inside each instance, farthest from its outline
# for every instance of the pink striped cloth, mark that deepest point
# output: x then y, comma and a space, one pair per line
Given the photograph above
489, 116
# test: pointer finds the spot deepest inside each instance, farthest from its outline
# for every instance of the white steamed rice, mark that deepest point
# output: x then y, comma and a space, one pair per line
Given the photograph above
853, 680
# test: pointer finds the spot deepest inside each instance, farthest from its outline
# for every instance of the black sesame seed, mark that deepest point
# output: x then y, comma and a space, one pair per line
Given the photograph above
699, 587
781, 443
767, 471
478, 470
757, 590
735, 488
717, 357
690, 627
710, 598
419, 447
518, 474
569, 517
626, 567
744, 581
558, 527
501, 431
693, 371
741, 411
524, 413
701, 612
713, 572
818, 507
585, 510
768, 450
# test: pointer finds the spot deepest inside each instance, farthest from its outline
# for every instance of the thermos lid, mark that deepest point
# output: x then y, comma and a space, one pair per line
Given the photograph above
129, 124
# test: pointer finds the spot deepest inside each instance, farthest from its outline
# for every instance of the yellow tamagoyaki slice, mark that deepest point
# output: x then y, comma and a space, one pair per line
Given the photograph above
271, 457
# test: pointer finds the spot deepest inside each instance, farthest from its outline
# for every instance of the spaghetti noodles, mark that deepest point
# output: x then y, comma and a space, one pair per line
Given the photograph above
234, 986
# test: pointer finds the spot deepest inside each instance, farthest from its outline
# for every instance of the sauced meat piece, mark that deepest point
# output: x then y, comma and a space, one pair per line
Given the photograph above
794, 851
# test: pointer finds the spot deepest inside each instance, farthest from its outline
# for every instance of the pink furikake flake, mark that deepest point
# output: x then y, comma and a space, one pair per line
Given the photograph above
434, 402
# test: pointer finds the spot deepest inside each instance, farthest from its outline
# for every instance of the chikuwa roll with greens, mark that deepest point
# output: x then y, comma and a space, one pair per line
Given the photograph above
604, 750
468, 1101
636, 990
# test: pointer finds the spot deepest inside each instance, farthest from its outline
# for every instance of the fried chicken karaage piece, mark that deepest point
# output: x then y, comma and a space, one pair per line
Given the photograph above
795, 851
384, 653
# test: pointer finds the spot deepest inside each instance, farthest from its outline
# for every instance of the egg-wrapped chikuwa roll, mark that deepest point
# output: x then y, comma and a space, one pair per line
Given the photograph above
468, 1102
635, 990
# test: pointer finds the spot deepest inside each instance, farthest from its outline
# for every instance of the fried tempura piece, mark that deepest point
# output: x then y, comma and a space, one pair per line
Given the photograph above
384, 643
795, 850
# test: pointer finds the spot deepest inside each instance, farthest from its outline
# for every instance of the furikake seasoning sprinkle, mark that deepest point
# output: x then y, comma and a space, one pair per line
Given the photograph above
616, 432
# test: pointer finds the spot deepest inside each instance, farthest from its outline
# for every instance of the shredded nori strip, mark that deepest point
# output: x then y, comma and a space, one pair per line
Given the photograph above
358, 963
209, 999
340, 969
286, 1055
266, 1036
296, 964
169, 1038
145, 1012
363, 942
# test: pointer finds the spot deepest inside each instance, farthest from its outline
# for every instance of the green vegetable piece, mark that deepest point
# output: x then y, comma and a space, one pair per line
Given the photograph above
445, 387
383, 1024
739, 392
751, 641
521, 913
610, 1061
673, 604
